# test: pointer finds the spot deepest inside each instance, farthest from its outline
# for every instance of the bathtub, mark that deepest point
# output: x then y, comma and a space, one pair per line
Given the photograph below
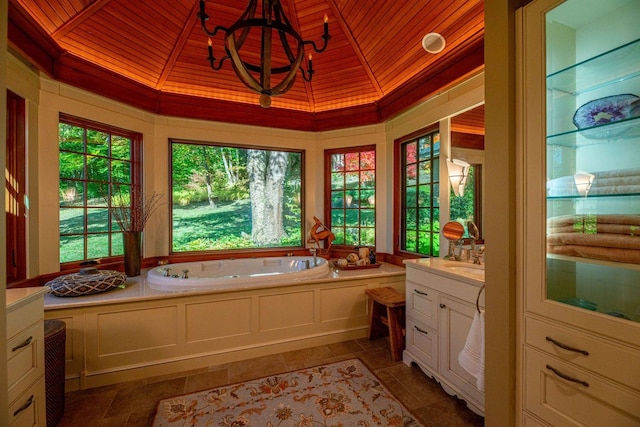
239, 273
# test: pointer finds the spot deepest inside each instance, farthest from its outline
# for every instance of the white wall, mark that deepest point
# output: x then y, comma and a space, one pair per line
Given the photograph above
47, 98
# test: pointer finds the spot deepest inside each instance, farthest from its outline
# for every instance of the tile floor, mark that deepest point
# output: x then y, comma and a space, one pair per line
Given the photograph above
133, 404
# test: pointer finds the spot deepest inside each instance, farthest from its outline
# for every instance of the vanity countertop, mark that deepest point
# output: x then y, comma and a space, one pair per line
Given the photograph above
464, 271
18, 297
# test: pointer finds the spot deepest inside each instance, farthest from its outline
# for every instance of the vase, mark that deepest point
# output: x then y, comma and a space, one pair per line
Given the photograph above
132, 241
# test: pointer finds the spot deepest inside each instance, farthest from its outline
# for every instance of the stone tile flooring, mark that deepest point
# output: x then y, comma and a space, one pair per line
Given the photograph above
134, 403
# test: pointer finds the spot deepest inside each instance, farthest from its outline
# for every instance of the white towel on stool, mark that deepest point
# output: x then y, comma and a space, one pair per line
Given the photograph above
471, 358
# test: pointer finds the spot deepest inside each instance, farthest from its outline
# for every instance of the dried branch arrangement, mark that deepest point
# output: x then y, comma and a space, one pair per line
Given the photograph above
134, 216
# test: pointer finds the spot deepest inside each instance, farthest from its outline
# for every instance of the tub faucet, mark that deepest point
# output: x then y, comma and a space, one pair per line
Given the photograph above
315, 257
165, 272
185, 274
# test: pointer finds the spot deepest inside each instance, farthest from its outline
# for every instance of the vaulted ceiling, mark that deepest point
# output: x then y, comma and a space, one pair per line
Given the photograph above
152, 54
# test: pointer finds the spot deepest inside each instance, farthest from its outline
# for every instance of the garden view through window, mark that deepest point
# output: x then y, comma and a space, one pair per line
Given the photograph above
352, 179
229, 197
420, 205
95, 161
467, 207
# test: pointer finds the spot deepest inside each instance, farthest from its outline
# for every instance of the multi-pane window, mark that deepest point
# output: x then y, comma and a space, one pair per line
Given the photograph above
231, 198
96, 162
351, 210
420, 192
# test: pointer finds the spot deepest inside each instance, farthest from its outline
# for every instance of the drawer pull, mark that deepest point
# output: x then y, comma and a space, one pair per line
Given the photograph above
25, 406
566, 347
421, 330
567, 377
420, 292
443, 306
23, 344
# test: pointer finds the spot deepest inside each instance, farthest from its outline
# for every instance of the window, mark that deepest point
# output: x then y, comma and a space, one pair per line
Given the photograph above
418, 207
96, 161
230, 198
350, 211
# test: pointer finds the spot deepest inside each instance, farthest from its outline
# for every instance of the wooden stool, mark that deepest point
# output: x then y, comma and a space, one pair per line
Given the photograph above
386, 317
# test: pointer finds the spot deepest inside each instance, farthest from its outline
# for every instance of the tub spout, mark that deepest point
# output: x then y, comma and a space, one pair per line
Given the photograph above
165, 272
185, 274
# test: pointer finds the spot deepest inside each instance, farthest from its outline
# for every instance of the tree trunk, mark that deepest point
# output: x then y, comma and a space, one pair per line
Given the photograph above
232, 178
266, 184
210, 194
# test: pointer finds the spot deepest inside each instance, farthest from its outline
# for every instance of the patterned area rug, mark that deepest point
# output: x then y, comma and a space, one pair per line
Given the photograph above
341, 394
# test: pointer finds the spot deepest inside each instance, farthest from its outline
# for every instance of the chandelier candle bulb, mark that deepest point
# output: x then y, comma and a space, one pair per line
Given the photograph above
310, 63
211, 58
326, 24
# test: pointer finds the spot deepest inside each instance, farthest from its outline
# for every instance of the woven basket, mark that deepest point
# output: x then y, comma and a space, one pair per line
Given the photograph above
87, 281
54, 360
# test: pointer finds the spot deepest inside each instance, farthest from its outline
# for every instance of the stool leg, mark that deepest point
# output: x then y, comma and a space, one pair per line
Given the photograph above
396, 338
376, 328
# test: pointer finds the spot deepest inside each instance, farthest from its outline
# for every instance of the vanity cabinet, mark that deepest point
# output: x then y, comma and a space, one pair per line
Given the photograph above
579, 213
440, 310
25, 357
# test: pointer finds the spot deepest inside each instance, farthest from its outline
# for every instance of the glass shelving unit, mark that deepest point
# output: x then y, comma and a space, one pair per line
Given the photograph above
593, 231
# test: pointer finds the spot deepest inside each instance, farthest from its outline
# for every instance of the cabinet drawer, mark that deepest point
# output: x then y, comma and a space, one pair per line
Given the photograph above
617, 362
25, 359
422, 343
29, 408
21, 318
422, 304
562, 402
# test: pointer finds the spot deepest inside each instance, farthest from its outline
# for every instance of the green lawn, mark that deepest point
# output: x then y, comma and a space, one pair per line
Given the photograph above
196, 227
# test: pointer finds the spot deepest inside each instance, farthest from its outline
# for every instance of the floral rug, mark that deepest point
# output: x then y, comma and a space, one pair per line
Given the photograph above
341, 394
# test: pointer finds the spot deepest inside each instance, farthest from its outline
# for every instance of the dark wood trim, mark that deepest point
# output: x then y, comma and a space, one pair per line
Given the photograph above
15, 187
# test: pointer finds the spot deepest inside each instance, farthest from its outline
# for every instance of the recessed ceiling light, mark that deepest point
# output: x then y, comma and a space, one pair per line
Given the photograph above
433, 42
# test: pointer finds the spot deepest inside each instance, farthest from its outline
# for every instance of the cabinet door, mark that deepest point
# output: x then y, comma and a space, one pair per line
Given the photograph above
581, 164
455, 322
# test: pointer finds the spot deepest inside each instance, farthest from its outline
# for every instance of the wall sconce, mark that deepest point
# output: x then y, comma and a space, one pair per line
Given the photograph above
458, 173
583, 181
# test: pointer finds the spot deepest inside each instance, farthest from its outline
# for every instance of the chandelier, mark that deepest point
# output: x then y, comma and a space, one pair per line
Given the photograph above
269, 77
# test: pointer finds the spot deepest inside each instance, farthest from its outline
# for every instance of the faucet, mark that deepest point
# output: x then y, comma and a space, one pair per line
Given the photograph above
477, 254
185, 274
315, 257
165, 272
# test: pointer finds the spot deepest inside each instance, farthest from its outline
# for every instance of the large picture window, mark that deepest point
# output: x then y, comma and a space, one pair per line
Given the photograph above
350, 210
96, 160
229, 197
419, 208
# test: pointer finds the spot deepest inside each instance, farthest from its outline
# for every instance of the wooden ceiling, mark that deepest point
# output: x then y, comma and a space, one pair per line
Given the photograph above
152, 54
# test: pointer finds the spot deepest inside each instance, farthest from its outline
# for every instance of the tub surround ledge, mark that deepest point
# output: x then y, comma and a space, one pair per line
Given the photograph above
137, 332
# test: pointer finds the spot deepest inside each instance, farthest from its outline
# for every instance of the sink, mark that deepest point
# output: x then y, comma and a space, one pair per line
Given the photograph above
466, 269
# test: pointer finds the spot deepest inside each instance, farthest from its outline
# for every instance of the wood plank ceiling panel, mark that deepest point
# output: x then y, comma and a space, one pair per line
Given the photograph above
139, 52
374, 52
53, 14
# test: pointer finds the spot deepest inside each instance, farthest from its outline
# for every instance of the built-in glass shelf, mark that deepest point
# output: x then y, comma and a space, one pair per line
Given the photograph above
626, 196
597, 72
610, 132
